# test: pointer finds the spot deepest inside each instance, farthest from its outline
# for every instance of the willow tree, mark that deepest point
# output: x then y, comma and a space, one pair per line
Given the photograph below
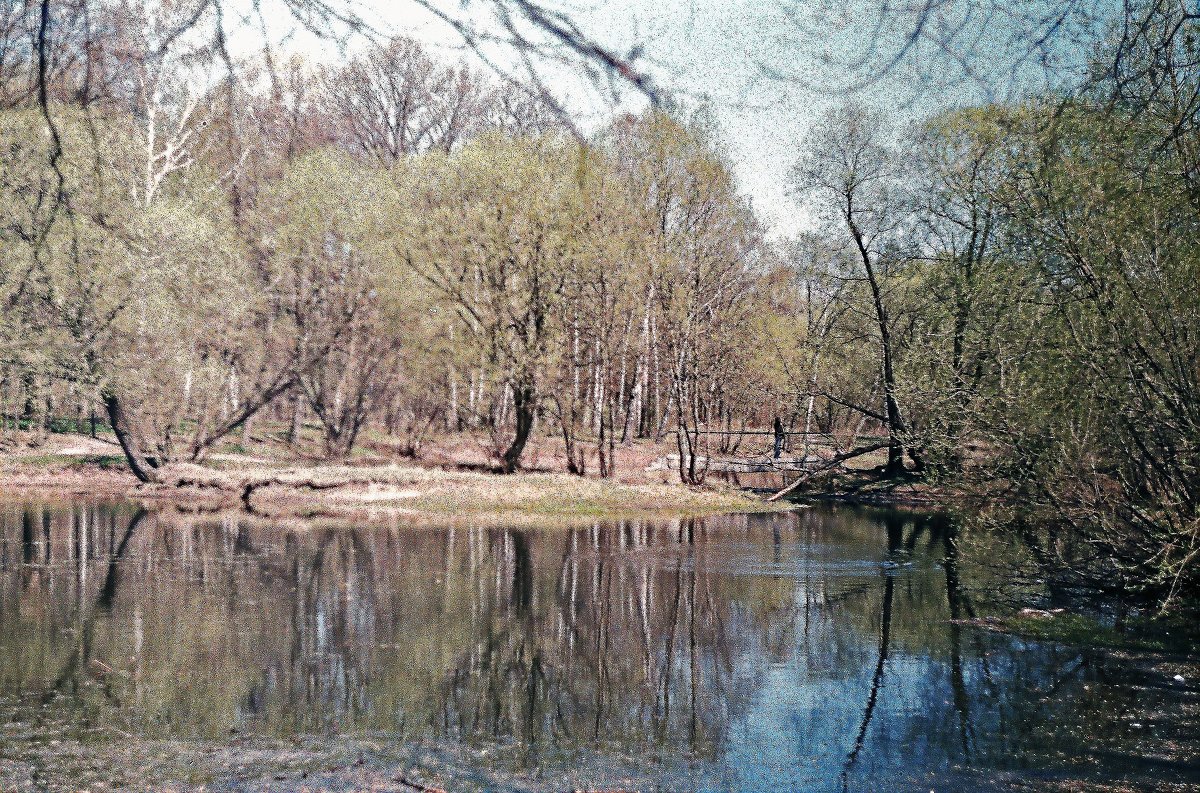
490, 236
1101, 420
976, 294
327, 226
67, 273
140, 304
601, 319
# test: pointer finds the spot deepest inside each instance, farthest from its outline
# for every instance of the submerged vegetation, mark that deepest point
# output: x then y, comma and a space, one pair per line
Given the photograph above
1161, 635
996, 300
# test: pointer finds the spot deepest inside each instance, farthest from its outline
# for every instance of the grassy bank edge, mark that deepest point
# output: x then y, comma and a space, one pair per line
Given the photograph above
380, 490
1171, 634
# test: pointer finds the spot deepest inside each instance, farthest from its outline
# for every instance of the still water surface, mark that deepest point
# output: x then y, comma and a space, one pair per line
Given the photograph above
811, 650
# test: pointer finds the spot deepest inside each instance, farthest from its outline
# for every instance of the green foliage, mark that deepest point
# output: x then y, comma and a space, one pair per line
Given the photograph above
1035, 286
65, 269
1103, 218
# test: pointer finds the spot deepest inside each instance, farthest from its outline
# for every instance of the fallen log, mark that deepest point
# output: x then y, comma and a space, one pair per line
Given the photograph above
832, 462
250, 485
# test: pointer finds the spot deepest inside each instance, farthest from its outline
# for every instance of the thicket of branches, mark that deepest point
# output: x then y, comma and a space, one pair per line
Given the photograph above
1027, 276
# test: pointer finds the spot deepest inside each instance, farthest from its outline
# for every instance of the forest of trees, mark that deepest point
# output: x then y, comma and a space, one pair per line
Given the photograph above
1002, 297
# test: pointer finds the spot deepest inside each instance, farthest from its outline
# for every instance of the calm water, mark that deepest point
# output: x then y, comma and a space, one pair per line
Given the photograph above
811, 650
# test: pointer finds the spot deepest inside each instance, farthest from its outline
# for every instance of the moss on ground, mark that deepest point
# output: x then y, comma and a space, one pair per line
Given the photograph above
1177, 634
107, 462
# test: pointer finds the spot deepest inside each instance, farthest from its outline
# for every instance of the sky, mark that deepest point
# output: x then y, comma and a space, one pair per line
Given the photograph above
761, 69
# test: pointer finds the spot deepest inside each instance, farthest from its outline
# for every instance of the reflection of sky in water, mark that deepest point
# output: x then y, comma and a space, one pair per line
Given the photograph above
733, 653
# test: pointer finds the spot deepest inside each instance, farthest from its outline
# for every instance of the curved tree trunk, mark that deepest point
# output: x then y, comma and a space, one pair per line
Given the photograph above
524, 407
142, 468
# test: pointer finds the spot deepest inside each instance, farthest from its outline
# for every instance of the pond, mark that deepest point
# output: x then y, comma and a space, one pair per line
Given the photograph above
819, 649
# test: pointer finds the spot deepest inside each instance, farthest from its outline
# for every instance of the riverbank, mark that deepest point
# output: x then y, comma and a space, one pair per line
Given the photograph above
451, 477
340, 763
77, 465
867, 487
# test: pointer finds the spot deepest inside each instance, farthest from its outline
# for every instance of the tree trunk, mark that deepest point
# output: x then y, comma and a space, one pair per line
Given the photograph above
606, 441
524, 407
576, 463
138, 464
895, 420
297, 419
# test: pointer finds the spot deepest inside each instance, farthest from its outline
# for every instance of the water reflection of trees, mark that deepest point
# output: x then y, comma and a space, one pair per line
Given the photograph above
637, 635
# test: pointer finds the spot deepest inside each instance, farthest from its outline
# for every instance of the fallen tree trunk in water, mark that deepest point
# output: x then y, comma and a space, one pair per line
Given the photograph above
828, 464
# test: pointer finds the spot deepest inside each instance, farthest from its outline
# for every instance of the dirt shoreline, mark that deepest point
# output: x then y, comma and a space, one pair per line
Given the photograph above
381, 491
432, 492
449, 482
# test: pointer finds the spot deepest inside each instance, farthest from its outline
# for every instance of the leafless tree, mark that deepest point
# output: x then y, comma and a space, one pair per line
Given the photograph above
398, 100
850, 169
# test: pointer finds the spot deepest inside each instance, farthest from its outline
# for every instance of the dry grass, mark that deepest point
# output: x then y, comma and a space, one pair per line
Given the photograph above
412, 489
372, 486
